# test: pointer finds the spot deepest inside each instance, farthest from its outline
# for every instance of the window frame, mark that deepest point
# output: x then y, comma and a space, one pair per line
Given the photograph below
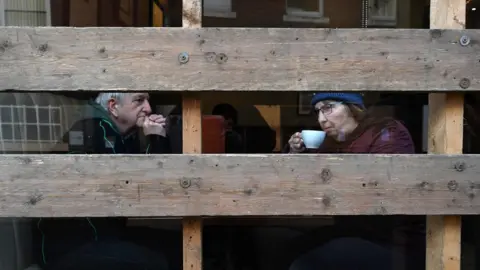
379, 20
219, 13
48, 13
299, 15
24, 123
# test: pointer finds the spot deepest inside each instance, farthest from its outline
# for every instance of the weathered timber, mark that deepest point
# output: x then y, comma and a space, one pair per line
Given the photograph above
237, 185
192, 144
445, 132
141, 59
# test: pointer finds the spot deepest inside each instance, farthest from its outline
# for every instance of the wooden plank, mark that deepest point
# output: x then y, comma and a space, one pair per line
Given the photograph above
192, 144
192, 14
445, 137
443, 242
445, 126
238, 185
192, 244
448, 14
192, 124
126, 59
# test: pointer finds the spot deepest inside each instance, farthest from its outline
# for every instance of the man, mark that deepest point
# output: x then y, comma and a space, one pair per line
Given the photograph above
233, 140
113, 124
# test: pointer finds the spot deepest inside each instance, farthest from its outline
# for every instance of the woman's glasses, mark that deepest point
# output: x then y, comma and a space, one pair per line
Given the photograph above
327, 108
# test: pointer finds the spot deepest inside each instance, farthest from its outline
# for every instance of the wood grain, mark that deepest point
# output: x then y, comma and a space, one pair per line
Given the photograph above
192, 13
238, 185
445, 137
448, 14
192, 144
192, 243
443, 242
192, 124
277, 59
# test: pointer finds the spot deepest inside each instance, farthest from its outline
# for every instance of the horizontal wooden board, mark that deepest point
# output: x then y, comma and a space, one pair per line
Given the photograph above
238, 59
238, 185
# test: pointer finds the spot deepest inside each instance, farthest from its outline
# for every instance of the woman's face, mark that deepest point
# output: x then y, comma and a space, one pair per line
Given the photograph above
335, 118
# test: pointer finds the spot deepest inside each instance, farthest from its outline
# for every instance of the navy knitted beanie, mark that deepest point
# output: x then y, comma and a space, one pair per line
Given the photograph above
352, 98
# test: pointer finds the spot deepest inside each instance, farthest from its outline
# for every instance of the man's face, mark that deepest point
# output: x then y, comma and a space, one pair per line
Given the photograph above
132, 110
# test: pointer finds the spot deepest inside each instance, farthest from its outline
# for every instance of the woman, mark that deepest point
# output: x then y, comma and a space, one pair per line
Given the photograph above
350, 129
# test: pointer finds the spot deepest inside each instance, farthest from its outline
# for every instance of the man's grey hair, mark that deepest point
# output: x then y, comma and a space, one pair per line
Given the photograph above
103, 98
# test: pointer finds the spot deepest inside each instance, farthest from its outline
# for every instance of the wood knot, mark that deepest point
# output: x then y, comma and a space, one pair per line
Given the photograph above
210, 56
327, 201
459, 166
471, 191
43, 47
221, 58
436, 33
25, 160
250, 190
191, 16
5, 45
381, 211
425, 186
34, 199
452, 185
326, 175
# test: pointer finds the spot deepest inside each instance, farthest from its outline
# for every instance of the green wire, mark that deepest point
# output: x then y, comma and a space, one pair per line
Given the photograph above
43, 241
148, 148
94, 229
105, 135
44, 259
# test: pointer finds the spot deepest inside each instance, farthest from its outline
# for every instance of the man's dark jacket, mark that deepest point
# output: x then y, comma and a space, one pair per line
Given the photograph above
94, 134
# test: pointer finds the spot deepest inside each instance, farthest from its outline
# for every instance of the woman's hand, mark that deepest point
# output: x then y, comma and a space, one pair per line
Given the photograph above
296, 143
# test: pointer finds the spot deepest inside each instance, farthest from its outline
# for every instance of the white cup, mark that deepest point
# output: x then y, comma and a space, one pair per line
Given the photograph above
313, 138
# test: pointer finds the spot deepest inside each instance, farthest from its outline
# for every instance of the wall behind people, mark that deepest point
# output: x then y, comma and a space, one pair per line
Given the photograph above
34, 122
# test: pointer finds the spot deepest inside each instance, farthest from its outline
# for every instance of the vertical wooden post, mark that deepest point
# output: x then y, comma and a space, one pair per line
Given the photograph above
445, 130
192, 144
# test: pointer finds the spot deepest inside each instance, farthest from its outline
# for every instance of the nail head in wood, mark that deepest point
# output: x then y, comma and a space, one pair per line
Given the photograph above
452, 185
185, 183
221, 58
183, 58
464, 83
465, 40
